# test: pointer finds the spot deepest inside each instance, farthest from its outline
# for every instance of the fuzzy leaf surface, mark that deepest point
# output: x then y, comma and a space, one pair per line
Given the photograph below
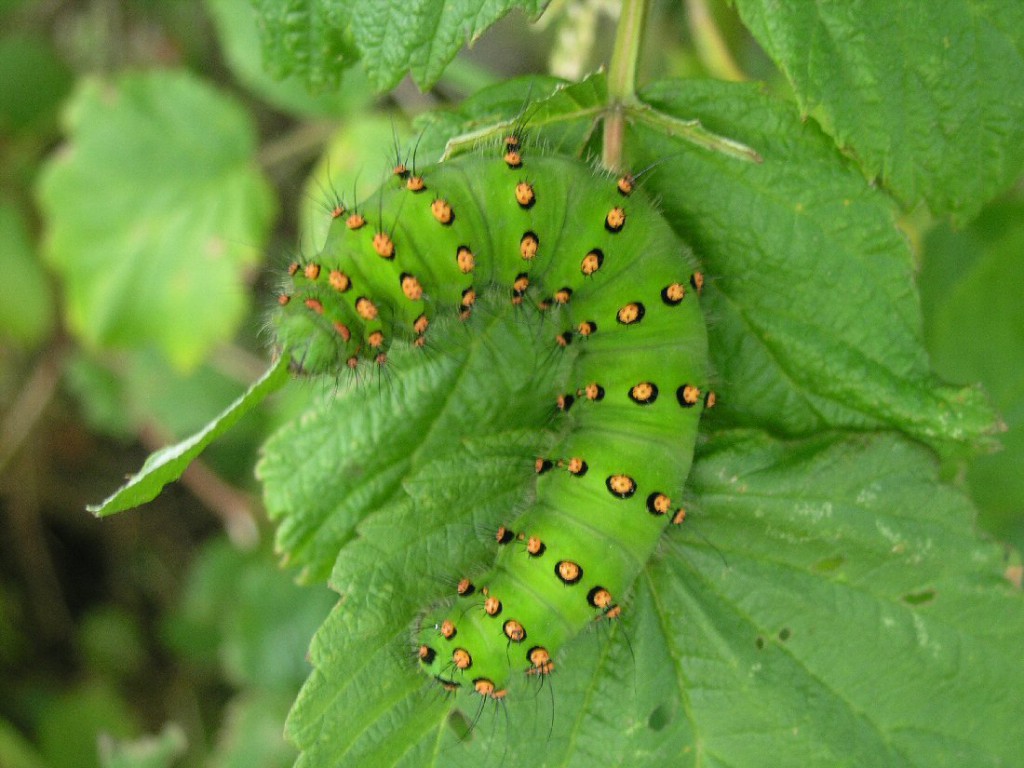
758, 628
318, 39
815, 319
927, 96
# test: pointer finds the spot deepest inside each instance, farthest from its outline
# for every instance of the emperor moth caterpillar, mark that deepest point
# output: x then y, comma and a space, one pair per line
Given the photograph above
618, 292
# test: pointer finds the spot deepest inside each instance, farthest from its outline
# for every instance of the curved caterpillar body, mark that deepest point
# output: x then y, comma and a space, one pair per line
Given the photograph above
618, 292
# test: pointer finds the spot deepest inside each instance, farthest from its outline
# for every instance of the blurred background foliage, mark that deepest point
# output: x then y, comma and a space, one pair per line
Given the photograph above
152, 178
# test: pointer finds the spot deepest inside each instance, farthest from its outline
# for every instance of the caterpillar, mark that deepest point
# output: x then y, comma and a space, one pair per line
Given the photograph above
616, 294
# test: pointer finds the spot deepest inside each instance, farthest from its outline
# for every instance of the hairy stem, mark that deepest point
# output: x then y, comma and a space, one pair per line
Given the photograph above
622, 79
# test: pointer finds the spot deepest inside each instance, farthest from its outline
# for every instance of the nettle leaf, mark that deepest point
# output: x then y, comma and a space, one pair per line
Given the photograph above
168, 464
351, 456
925, 95
154, 211
760, 627
318, 38
306, 39
814, 316
422, 36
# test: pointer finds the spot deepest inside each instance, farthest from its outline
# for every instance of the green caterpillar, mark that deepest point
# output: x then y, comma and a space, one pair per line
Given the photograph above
616, 289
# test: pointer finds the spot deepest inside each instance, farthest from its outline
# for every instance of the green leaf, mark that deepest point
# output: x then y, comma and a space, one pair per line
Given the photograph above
924, 95
167, 464
309, 40
970, 290
758, 627
815, 322
158, 257
350, 454
316, 39
422, 36
239, 34
26, 302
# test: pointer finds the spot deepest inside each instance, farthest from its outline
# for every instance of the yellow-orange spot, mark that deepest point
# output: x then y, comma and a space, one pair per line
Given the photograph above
631, 313
312, 271
592, 262
420, 324
366, 309
625, 184
528, 245
468, 297
447, 629
355, 221
461, 658
415, 184
643, 392
541, 661
465, 259
622, 486
375, 339
568, 571
524, 194
562, 296
411, 288
383, 245
315, 305
513, 159
442, 211
586, 328
615, 220
283, 299
674, 293
688, 395
514, 631
339, 281
697, 281
342, 330
659, 504
492, 606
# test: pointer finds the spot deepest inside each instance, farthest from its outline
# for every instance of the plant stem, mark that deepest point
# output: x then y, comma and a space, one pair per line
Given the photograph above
711, 47
622, 79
